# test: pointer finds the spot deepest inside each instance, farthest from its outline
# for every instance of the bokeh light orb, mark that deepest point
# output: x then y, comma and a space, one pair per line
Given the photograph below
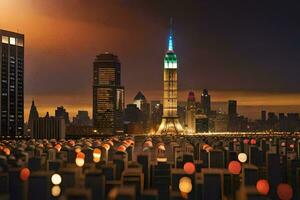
246, 141
80, 155
284, 191
56, 179
189, 168
209, 149
106, 146
6, 151
77, 149
185, 185
263, 186
58, 147
121, 148
97, 153
253, 141
242, 157
56, 191
234, 167
205, 146
79, 162
161, 147
24, 174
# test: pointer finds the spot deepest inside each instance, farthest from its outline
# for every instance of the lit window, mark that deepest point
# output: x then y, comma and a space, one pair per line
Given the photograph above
20, 42
5, 39
12, 40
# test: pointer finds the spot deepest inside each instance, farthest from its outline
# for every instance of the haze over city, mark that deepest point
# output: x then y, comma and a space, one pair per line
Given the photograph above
242, 50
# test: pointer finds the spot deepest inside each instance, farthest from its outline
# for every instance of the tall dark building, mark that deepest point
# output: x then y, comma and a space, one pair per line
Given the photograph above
205, 102
108, 95
233, 121
12, 79
141, 102
82, 118
33, 115
61, 112
232, 108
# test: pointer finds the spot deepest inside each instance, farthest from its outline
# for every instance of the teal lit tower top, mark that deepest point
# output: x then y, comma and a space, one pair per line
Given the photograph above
170, 61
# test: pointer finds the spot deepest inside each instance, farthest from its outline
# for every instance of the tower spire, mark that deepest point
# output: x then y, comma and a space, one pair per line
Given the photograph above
171, 36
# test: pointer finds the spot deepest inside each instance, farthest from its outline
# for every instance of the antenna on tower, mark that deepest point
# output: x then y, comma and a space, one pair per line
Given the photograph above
171, 42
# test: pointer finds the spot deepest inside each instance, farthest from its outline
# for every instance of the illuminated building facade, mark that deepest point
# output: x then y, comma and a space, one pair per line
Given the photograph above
170, 122
108, 95
12, 79
191, 111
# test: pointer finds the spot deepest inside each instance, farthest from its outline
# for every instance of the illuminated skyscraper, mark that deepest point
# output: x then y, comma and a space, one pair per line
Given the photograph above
108, 95
12, 79
170, 123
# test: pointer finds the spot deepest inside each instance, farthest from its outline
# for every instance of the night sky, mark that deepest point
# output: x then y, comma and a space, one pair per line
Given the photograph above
245, 50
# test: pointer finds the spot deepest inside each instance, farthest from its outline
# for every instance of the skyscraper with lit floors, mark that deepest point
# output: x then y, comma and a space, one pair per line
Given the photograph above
108, 95
170, 124
12, 81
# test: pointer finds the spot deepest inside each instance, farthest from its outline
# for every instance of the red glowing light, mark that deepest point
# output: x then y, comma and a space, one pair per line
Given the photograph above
189, 168
24, 174
284, 191
263, 186
253, 141
234, 167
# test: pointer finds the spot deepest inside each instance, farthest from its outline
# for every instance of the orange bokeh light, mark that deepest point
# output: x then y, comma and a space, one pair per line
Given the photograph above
189, 168
263, 186
234, 167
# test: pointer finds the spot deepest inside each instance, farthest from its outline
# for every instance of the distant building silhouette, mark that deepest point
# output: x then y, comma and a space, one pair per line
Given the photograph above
82, 119
205, 102
141, 102
61, 112
156, 113
134, 120
108, 95
33, 115
49, 128
12, 80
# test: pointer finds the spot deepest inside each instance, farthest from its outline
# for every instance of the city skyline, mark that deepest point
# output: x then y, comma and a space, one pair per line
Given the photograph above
222, 42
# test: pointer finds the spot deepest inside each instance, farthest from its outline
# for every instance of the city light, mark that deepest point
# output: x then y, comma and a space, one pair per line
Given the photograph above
24, 174
242, 157
234, 167
189, 168
185, 185
263, 186
56, 179
55, 191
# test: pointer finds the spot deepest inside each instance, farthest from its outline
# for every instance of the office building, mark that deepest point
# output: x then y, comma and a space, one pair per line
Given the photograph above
108, 95
190, 112
156, 113
232, 108
61, 112
82, 118
170, 123
49, 127
12, 81
205, 102
142, 104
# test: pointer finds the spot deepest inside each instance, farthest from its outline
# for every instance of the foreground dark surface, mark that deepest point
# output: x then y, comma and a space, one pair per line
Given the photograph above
141, 167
